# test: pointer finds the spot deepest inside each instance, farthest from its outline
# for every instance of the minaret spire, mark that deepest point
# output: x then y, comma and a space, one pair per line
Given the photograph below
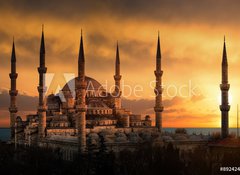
42, 90
13, 57
81, 59
117, 78
158, 89
158, 49
80, 99
42, 49
117, 60
13, 92
224, 86
117, 65
224, 57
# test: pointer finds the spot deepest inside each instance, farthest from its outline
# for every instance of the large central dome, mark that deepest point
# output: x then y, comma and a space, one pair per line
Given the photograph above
93, 89
92, 84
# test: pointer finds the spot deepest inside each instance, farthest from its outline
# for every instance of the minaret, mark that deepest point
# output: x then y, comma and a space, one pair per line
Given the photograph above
224, 107
13, 92
42, 90
80, 99
158, 89
117, 78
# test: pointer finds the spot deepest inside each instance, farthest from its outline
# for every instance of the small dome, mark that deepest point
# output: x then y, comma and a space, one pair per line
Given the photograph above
53, 98
108, 140
147, 117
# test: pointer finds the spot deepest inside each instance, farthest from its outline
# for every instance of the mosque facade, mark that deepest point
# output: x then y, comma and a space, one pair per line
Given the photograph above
84, 114
82, 109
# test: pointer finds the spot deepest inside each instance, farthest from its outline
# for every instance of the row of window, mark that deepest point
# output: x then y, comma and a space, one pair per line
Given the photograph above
99, 111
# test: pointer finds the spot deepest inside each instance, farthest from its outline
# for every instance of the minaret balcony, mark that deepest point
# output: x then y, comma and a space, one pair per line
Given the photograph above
42, 70
224, 87
117, 77
158, 73
224, 107
158, 108
13, 109
42, 89
13, 92
13, 75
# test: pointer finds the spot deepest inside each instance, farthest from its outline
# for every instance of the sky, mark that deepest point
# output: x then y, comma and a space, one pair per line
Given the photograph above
191, 35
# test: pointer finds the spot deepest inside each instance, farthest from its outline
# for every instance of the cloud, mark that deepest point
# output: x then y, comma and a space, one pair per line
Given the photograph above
143, 106
174, 101
26, 105
5, 116
138, 106
24, 101
177, 112
189, 11
196, 98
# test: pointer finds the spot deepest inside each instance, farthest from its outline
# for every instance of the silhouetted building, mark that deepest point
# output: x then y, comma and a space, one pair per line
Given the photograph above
81, 107
158, 89
13, 92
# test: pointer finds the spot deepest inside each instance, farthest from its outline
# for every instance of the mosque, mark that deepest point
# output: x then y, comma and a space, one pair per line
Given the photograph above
81, 110
83, 113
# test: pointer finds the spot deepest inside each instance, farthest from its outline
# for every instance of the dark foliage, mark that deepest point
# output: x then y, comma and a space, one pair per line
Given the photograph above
146, 159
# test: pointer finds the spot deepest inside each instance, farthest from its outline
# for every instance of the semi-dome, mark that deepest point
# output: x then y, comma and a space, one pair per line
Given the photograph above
92, 84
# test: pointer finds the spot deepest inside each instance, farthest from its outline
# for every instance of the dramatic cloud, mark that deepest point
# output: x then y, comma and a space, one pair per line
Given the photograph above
24, 101
213, 11
26, 105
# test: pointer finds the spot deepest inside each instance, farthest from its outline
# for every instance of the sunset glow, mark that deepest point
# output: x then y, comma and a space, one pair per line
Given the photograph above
191, 45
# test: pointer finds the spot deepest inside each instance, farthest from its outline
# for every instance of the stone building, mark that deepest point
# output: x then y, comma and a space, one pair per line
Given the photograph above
83, 114
83, 110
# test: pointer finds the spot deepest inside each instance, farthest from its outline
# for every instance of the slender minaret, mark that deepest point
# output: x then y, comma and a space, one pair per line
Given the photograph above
13, 92
224, 107
117, 78
80, 100
158, 89
42, 90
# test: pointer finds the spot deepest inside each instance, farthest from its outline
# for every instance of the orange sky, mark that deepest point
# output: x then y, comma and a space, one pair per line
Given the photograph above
191, 43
